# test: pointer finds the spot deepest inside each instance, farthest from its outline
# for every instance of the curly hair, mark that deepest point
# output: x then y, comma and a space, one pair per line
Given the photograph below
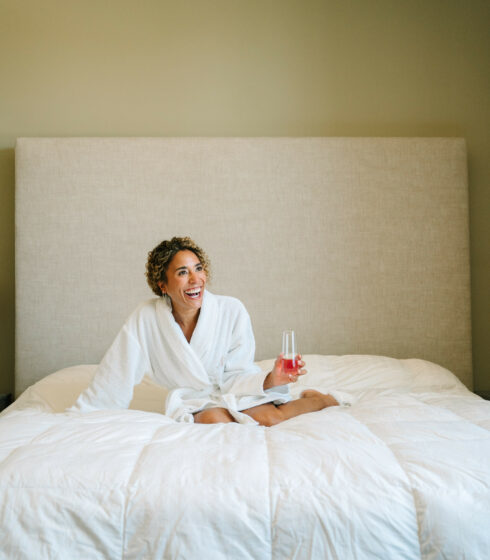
160, 257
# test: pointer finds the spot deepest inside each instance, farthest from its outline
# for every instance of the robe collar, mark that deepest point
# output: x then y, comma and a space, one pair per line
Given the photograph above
191, 356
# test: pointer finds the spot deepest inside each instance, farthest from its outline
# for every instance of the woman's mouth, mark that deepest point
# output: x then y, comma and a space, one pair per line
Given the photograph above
194, 293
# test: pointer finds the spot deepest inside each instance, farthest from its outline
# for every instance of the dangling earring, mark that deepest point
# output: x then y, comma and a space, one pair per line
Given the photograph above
162, 289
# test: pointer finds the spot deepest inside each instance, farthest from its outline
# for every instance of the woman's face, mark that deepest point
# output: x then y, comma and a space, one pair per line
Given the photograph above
185, 281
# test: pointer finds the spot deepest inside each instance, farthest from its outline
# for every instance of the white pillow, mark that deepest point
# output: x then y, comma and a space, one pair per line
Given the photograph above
357, 373
58, 391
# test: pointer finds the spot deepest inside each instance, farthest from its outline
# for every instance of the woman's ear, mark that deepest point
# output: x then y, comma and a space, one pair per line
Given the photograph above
161, 285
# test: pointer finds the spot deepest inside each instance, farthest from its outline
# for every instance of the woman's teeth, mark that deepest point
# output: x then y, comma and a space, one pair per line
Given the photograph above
195, 293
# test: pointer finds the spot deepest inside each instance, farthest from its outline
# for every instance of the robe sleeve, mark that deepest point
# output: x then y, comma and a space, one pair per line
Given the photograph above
241, 376
123, 366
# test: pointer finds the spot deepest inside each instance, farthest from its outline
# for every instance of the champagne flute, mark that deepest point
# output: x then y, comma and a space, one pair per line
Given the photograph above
289, 359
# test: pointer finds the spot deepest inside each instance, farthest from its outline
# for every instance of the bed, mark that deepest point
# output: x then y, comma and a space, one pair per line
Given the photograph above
360, 244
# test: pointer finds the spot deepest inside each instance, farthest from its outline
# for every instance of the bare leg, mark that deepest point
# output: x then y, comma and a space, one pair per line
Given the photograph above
213, 416
310, 401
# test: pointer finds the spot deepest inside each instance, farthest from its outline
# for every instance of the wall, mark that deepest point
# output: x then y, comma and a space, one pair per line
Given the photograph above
247, 68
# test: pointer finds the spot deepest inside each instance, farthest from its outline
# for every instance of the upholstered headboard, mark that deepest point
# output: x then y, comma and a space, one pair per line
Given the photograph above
359, 244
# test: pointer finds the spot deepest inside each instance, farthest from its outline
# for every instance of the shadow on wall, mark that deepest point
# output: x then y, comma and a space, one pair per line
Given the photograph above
7, 269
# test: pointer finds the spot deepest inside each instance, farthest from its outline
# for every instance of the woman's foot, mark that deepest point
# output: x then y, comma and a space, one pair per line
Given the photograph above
311, 393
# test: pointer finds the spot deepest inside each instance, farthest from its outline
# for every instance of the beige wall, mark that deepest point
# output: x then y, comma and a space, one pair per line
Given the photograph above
247, 68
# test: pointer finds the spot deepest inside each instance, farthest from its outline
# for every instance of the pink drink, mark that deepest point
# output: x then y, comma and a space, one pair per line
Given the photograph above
290, 365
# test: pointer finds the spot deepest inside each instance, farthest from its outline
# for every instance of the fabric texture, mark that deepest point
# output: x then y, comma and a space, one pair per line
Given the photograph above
214, 369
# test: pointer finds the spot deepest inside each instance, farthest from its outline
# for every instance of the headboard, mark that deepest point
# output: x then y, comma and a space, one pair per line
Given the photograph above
359, 244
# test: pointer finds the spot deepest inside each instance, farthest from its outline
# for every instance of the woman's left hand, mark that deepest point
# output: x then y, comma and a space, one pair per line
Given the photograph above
278, 375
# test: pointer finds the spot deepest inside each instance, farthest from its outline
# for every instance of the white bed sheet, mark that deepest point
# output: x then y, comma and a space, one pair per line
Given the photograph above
402, 473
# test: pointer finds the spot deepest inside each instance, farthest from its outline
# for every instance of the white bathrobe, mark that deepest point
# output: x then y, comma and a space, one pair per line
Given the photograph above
216, 369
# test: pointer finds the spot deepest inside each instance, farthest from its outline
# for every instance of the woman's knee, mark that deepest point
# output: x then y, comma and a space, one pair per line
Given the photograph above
213, 416
266, 415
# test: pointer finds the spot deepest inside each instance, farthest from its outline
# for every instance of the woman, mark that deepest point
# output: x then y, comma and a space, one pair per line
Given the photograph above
198, 345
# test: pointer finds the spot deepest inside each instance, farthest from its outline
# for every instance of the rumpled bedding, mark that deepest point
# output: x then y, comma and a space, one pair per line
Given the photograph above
402, 473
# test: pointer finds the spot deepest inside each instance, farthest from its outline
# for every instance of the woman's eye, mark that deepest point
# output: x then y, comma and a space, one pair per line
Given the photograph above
182, 272
199, 268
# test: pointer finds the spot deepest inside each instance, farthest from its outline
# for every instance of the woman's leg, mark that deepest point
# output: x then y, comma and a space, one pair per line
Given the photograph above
213, 416
310, 401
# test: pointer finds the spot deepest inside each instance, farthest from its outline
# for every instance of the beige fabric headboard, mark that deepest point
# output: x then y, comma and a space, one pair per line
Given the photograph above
359, 244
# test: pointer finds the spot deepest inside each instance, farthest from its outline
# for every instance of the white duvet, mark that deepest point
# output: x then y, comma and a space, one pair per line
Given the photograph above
402, 473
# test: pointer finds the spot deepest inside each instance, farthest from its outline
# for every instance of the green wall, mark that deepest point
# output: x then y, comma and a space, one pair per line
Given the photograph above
248, 68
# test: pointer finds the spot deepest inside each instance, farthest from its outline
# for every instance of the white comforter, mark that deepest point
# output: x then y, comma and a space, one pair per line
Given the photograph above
402, 473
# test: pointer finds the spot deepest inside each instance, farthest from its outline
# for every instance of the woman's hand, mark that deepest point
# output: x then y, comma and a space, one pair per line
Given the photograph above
280, 377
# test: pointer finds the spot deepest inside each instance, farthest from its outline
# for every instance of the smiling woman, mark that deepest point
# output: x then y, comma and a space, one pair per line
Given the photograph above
161, 256
198, 345
178, 269
185, 283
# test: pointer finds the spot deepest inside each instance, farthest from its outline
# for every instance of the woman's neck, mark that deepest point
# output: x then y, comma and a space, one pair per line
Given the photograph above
187, 321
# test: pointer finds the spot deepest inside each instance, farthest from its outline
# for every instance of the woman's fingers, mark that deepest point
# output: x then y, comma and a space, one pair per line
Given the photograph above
301, 363
278, 369
293, 377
